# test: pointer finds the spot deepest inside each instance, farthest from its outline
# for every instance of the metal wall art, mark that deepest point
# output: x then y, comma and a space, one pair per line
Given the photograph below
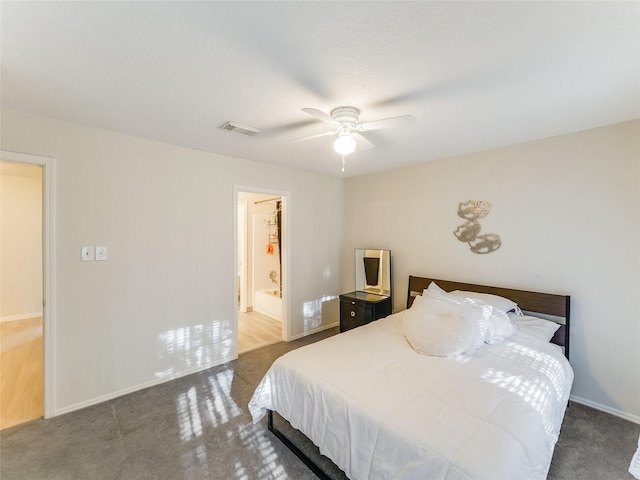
469, 232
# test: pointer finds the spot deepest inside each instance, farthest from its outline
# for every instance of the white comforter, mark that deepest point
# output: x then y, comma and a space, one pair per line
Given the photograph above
380, 410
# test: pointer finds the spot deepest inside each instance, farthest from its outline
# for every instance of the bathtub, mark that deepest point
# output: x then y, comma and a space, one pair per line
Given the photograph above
269, 303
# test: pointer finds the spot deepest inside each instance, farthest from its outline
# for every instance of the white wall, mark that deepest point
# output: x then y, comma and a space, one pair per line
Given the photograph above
163, 303
567, 210
20, 241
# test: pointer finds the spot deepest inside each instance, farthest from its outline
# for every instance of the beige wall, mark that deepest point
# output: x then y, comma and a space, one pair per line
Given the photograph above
20, 241
164, 302
567, 210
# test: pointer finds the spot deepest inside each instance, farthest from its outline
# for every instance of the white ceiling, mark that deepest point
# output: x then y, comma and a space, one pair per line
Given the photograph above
476, 75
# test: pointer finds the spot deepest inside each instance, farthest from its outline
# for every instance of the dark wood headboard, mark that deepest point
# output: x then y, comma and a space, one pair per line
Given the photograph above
534, 302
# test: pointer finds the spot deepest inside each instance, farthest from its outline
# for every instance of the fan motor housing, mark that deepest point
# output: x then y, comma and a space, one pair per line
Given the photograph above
346, 115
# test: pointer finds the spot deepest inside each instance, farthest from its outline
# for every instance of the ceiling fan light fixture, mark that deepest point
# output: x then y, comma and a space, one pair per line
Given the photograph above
344, 144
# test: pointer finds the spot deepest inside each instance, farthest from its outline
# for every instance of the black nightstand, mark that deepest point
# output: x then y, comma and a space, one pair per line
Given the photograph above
360, 308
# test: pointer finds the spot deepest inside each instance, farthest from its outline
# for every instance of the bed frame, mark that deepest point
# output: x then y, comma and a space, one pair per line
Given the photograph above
557, 306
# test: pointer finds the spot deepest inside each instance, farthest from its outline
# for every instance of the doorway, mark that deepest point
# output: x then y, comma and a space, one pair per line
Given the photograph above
21, 294
34, 307
261, 261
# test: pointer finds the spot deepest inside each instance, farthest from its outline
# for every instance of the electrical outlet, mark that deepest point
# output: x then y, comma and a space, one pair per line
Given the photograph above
87, 254
101, 253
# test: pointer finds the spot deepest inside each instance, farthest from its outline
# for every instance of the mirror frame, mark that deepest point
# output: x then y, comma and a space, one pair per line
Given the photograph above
383, 285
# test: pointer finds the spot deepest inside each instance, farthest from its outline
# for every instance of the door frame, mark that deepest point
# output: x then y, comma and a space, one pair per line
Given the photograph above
285, 275
242, 255
48, 269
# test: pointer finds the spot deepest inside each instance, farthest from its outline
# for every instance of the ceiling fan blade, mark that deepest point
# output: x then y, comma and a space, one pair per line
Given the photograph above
317, 135
320, 115
363, 142
401, 121
286, 128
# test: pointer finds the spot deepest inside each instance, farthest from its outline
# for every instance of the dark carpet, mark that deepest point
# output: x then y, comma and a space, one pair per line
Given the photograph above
198, 427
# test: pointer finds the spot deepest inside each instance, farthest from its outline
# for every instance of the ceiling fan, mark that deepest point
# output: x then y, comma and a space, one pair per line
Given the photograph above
345, 121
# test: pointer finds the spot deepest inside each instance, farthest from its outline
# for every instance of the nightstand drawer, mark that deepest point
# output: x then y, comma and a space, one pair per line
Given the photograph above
352, 314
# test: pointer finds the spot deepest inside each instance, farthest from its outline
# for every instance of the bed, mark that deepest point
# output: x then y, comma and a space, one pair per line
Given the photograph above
379, 409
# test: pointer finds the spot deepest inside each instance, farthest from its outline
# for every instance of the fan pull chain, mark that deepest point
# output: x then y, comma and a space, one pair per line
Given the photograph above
342, 163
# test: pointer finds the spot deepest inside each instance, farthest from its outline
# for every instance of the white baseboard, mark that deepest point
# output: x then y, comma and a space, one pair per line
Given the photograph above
604, 408
315, 330
126, 391
23, 316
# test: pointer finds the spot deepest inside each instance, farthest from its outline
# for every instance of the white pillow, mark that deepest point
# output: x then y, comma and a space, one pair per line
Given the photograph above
437, 328
474, 314
500, 326
534, 328
495, 301
434, 288
494, 323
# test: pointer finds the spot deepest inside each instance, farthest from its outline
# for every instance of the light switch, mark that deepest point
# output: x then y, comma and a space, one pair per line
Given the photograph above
101, 253
87, 254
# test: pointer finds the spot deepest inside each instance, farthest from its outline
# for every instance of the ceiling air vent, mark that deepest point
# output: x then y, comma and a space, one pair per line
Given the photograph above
241, 129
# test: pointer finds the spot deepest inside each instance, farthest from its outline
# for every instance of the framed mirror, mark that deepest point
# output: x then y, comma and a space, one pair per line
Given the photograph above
373, 271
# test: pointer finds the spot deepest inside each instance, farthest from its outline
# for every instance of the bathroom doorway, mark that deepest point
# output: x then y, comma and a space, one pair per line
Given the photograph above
260, 260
